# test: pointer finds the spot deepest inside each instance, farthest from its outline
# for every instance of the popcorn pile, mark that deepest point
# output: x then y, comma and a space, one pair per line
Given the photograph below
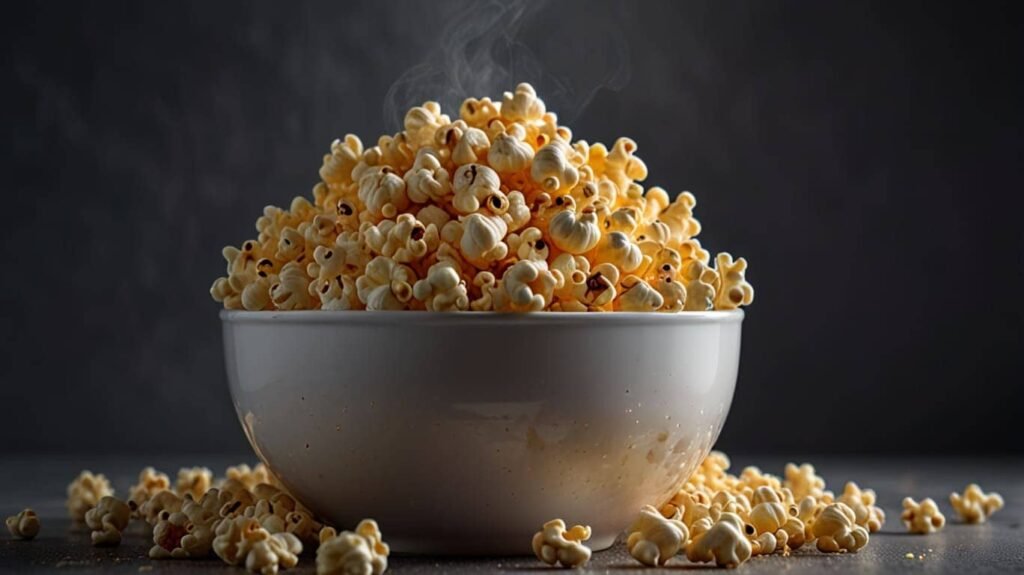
727, 519
498, 210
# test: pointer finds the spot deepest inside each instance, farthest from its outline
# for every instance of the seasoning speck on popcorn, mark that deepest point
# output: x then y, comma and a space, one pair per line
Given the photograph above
496, 210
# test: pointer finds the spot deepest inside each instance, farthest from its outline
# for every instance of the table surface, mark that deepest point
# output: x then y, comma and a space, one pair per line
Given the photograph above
993, 547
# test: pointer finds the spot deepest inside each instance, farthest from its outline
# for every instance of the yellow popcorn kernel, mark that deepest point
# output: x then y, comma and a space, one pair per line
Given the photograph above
922, 518
723, 543
85, 492
481, 239
194, 481
336, 170
382, 191
270, 516
638, 295
599, 288
188, 533
24, 525
222, 292
526, 286
386, 285
291, 291
256, 296
427, 180
422, 122
337, 293
517, 215
471, 146
554, 544
363, 551
394, 152
472, 184
575, 233
862, 502
291, 245
155, 506
654, 540
625, 220
107, 520
234, 497
302, 525
699, 281
408, 240
431, 214
484, 284
478, 112
974, 505
734, 290
617, 249
354, 252
508, 153
551, 168
836, 531
522, 105
443, 289
243, 541
327, 263
803, 480
773, 527
622, 167
656, 200
149, 484
529, 245
678, 216
654, 233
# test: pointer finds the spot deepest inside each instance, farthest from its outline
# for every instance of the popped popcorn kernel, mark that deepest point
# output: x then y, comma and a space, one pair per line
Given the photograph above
722, 542
554, 544
501, 183
85, 492
107, 520
193, 481
862, 502
362, 551
654, 539
24, 525
836, 530
974, 505
150, 483
188, 533
156, 505
922, 518
241, 541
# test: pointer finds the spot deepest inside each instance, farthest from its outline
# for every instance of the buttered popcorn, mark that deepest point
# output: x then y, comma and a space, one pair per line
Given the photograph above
478, 213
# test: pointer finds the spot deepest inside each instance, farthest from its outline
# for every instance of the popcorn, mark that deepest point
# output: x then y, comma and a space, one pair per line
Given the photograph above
654, 539
836, 530
193, 481
156, 505
24, 525
575, 233
362, 551
188, 533
149, 484
243, 541
107, 520
638, 295
443, 289
387, 285
85, 492
734, 290
526, 286
723, 542
922, 518
501, 184
803, 480
553, 544
974, 505
862, 502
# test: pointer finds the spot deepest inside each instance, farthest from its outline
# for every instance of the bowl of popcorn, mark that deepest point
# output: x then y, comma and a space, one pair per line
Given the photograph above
478, 324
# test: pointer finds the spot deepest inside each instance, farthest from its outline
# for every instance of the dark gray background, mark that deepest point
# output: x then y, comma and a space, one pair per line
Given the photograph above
866, 159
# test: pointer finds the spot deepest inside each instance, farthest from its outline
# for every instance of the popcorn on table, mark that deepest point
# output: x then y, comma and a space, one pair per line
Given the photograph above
922, 518
974, 505
107, 520
556, 545
362, 551
85, 492
24, 525
499, 194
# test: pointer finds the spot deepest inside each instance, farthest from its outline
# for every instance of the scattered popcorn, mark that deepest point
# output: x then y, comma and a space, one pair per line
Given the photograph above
922, 518
85, 492
974, 505
193, 481
862, 502
836, 530
654, 540
501, 184
243, 541
722, 542
189, 533
163, 501
149, 484
250, 477
24, 525
553, 544
107, 520
361, 552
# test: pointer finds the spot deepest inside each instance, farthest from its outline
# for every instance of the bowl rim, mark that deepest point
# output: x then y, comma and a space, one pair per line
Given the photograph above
406, 317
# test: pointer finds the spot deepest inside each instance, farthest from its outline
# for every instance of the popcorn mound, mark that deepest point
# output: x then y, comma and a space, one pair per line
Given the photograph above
498, 210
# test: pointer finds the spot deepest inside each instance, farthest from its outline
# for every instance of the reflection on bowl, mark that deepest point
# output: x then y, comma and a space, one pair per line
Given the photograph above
465, 432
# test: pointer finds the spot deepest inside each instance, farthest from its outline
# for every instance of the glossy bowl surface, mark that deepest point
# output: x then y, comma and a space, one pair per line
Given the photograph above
463, 433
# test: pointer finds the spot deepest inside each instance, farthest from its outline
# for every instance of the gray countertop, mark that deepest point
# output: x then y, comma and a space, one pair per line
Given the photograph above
997, 546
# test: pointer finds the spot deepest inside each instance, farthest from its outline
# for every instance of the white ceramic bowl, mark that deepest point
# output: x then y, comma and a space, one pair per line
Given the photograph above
465, 432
